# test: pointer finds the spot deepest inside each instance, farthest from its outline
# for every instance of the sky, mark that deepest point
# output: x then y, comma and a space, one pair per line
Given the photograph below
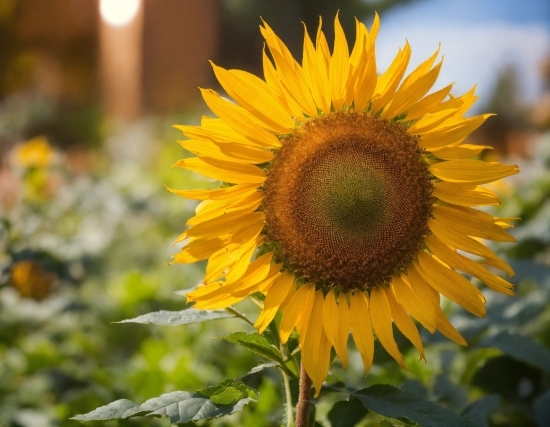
478, 38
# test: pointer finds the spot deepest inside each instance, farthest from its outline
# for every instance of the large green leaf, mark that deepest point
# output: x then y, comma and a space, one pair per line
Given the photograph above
541, 409
176, 318
392, 402
480, 410
181, 406
117, 410
520, 347
347, 413
255, 343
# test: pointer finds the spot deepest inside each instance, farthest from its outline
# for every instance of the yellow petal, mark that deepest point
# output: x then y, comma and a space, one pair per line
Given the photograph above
404, 322
235, 258
208, 290
381, 319
235, 173
315, 74
339, 66
228, 223
426, 293
428, 103
273, 274
451, 284
464, 151
504, 222
199, 249
316, 347
465, 195
289, 71
460, 103
447, 135
431, 122
454, 260
410, 300
356, 56
215, 303
274, 83
361, 328
472, 171
408, 95
459, 240
239, 120
278, 292
253, 94
365, 75
447, 329
359, 46
217, 193
293, 311
302, 322
471, 222
321, 46
217, 208
255, 272
366, 81
388, 82
203, 148
218, 131
335, 325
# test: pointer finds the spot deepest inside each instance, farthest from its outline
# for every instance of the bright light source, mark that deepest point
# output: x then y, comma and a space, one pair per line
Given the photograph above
118, 13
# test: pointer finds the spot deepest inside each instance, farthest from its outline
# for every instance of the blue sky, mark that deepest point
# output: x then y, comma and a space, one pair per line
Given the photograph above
478, 38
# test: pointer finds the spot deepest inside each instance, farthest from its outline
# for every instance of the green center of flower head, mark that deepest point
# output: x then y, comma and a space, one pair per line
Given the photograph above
344, 196
347, 201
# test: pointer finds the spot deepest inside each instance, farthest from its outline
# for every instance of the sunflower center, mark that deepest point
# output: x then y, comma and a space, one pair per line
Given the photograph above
343, 196
347, 201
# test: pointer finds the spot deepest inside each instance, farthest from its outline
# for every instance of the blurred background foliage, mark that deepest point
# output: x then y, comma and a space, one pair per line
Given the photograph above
86, 229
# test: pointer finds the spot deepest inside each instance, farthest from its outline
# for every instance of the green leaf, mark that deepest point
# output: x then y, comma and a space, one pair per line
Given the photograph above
347, 413
229, 392
392, 402
255, 343
262, 367
181, 406
176, 318
117, 410
520, 347
480, 410
541, 408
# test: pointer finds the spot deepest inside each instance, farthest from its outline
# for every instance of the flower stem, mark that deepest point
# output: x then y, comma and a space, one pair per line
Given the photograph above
237, 313
304, 399
289, 410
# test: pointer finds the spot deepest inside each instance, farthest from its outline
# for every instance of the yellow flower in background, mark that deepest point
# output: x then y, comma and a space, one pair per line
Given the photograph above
346, 195
35, 153
31, 279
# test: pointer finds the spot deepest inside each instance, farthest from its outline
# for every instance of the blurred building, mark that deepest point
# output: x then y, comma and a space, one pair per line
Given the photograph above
136, 55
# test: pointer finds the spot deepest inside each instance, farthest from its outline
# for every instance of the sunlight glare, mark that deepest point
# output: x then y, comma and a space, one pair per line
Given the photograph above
118, 13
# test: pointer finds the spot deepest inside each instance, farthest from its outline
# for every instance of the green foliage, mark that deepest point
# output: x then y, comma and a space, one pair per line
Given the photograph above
395, 403
347, 413
181, 406
255, 343
480, 410
177, 318
520, 347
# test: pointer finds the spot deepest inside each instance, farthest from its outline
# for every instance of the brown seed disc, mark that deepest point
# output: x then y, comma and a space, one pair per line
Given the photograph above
348, 200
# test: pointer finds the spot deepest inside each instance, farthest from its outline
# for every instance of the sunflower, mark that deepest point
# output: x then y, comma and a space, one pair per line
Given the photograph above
348, 198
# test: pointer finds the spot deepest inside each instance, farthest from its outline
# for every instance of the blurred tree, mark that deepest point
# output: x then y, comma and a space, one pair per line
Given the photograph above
510, 130
240, 21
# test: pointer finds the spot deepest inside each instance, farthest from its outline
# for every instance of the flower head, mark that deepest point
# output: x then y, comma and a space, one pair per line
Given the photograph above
35, 153
346, 197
